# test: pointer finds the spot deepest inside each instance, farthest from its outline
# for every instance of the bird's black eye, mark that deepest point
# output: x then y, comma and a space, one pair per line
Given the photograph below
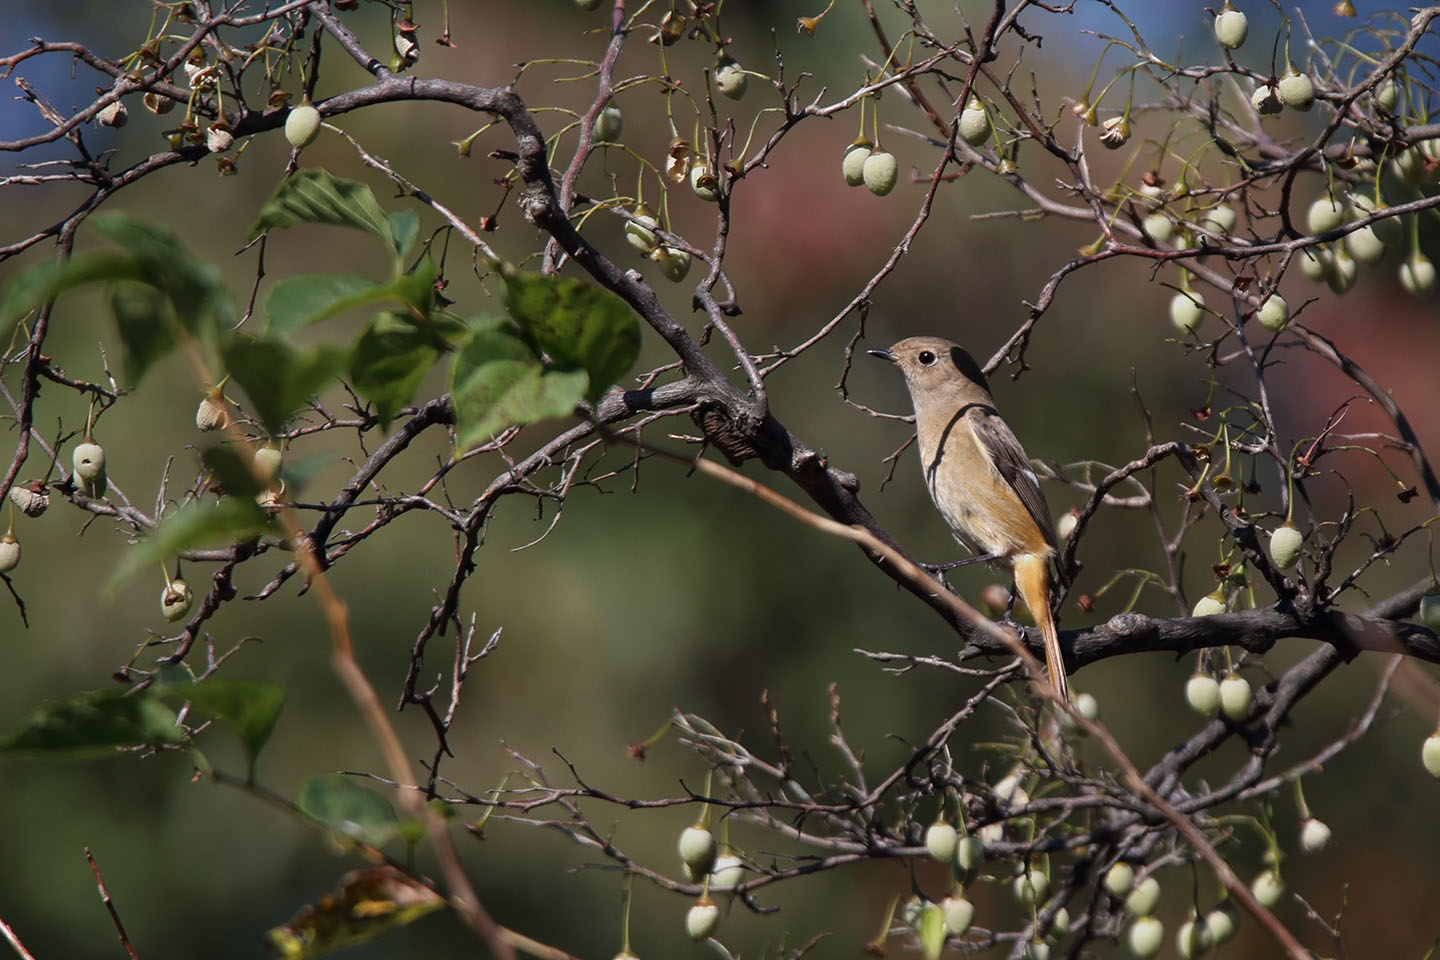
926, 357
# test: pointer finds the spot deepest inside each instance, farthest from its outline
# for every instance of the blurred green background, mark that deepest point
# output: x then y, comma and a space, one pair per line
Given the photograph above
679, 592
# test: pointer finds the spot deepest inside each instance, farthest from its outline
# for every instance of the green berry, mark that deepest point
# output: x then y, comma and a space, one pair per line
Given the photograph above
1144, 898
853, 165
1314, 835
1119, 879
1417, 275
1187, 310
1202, 693
1209, 605
608, 125
1145, 937
730, 78
302, 126
959, 913
942, 840
1235, 697
640, 232
1274, 313
702, 919
975, 126
880, 172
1325, 214
697, 851
9, 552
1296, 91
1268, 888
1231, 27
88, 460
1285, 544
175, 601
1430, 754
674, 263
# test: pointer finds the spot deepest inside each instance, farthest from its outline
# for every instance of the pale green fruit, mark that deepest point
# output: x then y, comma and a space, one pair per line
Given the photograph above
1388, 230
1218, 219
731, 79
1325, 214
697, 851
1187, 310
1314, 835
9, 553
302, 126
1115, 133
1231, 28
854, 164
1235, 697
1417, 275
1343, 270
1222, 921
1274, 313
703, 182
1009, 791
1265, 102
1030, 887
1429, 609
1209, 605
941, 840
640, 232
1145, 938
880, 172
1315, 263
1087, 706
1430, 754
959, 913
88, 460
975, 126
1296, 91
674, 263
1387, 95
1159, 227
1285, 544
608, 125
1036, 950
1119, 879
729, 872
1193, 938
1268, 888
1409, 165
589, 4
702, 919
267, 462
33, 500
1143, 900
1202, 692
175, 601
968, 853
1365, 245
1060, 923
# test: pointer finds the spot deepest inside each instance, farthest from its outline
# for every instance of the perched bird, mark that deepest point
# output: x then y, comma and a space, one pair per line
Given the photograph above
979, 477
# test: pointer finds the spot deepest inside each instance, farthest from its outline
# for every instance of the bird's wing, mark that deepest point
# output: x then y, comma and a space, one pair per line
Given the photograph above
1009, 458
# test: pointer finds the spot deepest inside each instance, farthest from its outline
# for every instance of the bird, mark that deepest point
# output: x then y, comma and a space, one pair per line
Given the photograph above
980, 478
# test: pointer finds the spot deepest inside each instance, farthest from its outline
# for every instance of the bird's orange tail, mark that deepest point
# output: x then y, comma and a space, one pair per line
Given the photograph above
1032, 579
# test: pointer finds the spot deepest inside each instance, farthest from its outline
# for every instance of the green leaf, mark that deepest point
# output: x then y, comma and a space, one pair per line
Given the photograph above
932, 929
147, 322
226, 520
405, 227
94, 724
576, 324
247, 707
200, 304
348, 808
278, 379
298, 301
315, 196
232, 469
498, 381
368, 903
390, 359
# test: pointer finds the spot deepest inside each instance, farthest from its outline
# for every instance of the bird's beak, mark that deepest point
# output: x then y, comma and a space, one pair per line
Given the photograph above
882, 354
